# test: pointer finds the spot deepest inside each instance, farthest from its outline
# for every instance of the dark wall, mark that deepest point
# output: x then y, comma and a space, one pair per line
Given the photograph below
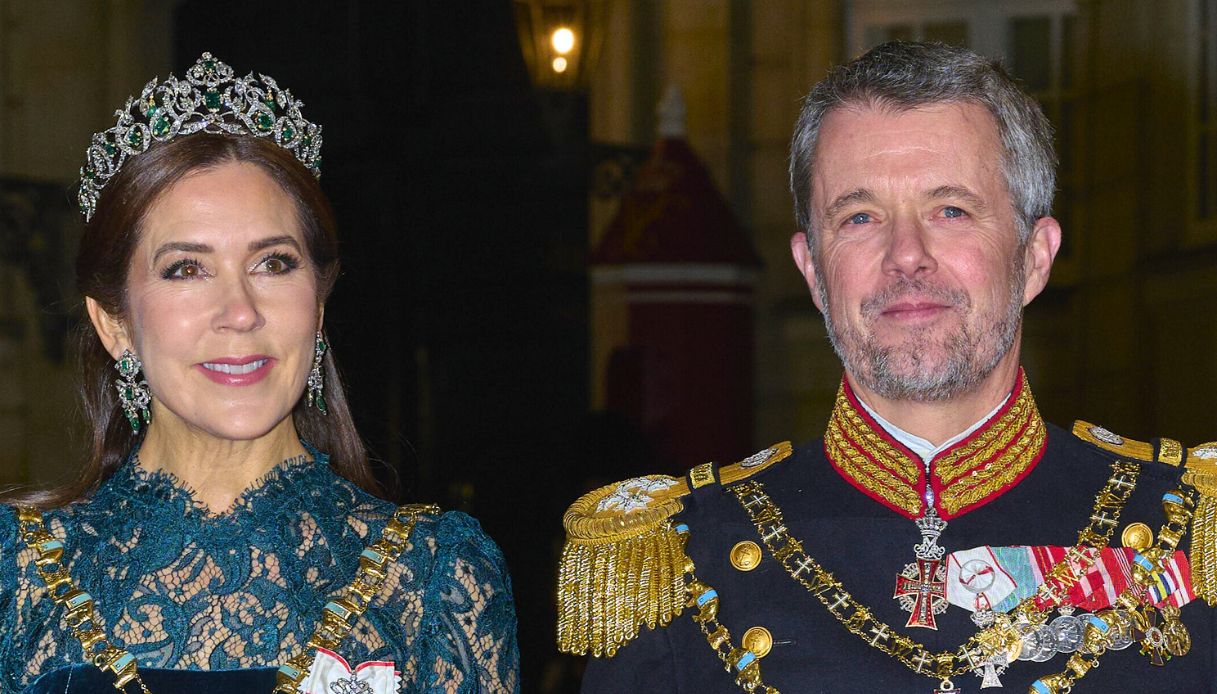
460, 319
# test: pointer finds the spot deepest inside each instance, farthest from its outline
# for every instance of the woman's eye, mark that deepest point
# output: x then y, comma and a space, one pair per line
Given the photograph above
953, 212
279, 263
183, 270
860, 218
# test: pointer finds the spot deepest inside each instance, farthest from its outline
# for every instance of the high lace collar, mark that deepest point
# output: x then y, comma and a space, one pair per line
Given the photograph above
963, 477
140, 489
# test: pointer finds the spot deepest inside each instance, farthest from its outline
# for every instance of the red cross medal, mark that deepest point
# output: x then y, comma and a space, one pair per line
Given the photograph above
922, 590
922, 587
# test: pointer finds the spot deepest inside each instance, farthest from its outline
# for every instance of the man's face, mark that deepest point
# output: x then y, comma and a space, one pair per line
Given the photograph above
919, 269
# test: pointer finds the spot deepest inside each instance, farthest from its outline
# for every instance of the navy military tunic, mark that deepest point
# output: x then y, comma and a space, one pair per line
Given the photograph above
865, 544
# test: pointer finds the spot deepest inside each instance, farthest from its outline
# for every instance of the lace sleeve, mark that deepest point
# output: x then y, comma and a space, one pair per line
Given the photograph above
11, 662
469, 620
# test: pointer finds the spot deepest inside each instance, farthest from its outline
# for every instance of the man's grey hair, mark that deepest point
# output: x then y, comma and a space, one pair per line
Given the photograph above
901, 76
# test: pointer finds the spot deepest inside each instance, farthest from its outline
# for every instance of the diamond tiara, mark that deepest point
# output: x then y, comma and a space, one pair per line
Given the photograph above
209, 99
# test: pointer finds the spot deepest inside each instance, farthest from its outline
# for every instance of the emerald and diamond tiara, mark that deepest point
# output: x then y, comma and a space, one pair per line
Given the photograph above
209, 99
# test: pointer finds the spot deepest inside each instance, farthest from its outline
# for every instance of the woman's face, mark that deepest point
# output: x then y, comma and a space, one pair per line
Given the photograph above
222, 303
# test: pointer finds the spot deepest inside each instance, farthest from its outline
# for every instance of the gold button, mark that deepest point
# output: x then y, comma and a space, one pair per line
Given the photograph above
759, 641
745, 555
1137, 536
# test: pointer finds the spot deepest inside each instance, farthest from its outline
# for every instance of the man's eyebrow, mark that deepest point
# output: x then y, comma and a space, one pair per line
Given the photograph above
959, 193
853, 196
184, 246
274, 241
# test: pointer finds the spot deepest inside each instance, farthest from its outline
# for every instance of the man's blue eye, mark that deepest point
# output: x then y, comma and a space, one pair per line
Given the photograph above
952, 212
860, 218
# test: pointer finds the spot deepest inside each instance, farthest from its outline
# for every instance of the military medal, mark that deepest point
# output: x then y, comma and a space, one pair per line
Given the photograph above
921, 588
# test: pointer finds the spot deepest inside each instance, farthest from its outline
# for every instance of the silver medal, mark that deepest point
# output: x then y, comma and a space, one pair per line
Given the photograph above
1068, 630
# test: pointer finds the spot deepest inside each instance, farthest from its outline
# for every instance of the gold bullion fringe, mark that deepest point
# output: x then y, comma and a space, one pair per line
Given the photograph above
1204, 549
606, 589
1203, 476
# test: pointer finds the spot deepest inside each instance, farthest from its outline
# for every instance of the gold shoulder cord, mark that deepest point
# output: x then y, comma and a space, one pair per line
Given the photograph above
337, 618
858, 619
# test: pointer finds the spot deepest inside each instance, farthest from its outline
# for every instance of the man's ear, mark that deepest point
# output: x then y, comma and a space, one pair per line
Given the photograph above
109, 328
806, 266
1042, 247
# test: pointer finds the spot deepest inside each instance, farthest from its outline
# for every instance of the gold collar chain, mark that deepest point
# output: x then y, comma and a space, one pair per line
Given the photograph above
972, 654
337, 618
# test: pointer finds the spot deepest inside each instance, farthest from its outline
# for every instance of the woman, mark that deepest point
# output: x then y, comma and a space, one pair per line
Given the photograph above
224, 535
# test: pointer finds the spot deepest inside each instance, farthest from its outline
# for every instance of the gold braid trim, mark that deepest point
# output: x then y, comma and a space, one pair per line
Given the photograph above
624, 563
998, 472
1201, 473
866, 458
990, 460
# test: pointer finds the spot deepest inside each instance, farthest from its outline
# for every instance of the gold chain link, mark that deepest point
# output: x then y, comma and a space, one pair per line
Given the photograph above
789, 552
337, 619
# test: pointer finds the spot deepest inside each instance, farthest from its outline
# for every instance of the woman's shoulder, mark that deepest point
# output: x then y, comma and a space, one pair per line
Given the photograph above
452, 537
8, 530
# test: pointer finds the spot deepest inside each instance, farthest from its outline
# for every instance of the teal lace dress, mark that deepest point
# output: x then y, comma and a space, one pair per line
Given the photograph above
183, 589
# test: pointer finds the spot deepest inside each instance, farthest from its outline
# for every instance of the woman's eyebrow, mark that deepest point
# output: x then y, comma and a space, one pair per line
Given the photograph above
184, 246
274, 241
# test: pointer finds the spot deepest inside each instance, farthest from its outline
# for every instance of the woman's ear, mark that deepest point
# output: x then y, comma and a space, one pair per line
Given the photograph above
109, 328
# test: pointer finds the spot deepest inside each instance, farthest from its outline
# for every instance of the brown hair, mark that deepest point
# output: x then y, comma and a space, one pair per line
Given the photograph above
106, 248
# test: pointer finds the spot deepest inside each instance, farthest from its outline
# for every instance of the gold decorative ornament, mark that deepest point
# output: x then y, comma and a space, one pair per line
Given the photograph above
758, 640
1001, 638
1156, 644
338, 616
963, 477
623, 564
1137, 536
1170, 452
1112, 442
1200, 471
76, 604
746, 555
702, 475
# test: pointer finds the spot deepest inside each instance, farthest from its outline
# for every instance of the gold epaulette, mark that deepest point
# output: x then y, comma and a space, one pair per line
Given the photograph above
1200, 471
624, 561
1167, 451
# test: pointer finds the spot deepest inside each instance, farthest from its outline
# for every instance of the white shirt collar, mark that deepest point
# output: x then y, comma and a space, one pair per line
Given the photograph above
923, 448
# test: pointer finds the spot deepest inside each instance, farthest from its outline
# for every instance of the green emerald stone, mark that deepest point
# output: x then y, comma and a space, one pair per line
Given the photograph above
212, 100
109, 148
209, 66
321, 406
160, 127
135, 137
288, 133
264, 121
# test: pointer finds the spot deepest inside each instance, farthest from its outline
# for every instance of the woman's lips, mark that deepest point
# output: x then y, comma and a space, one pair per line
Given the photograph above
237, 371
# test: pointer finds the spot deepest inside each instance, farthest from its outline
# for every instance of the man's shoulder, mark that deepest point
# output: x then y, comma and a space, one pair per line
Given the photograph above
1103, 443
624, 564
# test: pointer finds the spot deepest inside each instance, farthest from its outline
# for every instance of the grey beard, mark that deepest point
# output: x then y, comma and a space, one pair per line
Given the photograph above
902, 372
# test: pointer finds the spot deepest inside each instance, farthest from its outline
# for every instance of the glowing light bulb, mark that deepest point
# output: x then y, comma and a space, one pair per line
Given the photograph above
563, 40
559, 64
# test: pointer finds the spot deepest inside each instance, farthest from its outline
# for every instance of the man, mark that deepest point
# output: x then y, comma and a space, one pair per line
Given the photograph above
940, 529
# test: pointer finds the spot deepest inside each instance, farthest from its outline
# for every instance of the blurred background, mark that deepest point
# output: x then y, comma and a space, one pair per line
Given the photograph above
565, 226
